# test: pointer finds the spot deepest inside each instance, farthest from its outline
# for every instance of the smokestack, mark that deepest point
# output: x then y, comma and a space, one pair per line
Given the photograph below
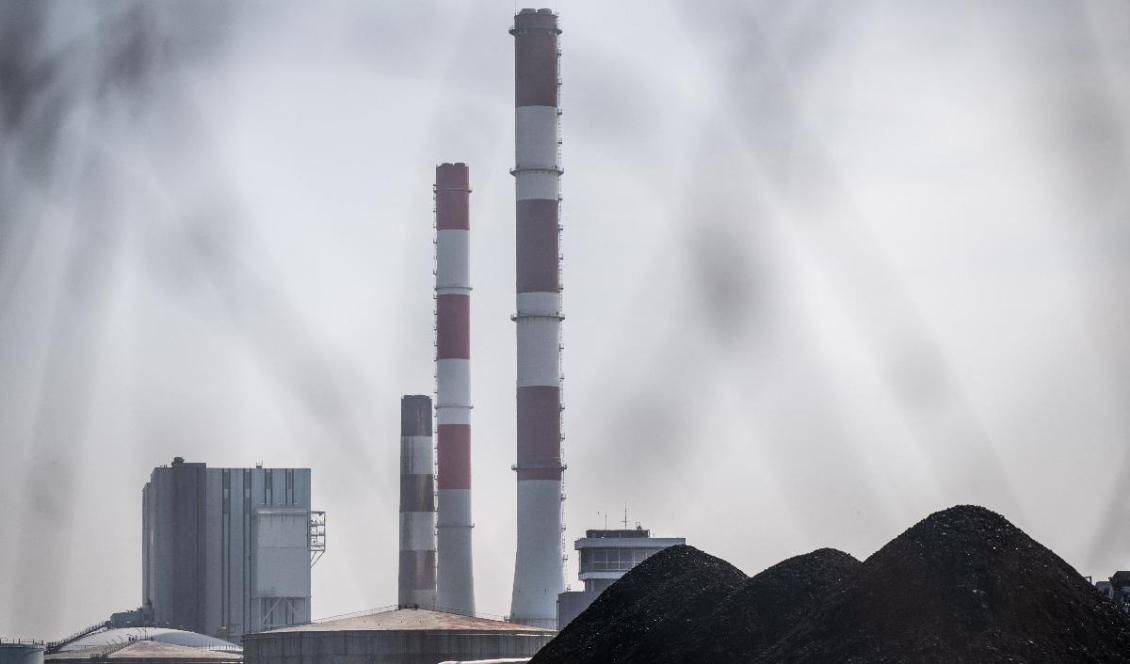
416, 585
456, 590
538, 574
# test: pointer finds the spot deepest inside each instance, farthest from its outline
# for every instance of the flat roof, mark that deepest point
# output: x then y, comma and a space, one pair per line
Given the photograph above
407, 619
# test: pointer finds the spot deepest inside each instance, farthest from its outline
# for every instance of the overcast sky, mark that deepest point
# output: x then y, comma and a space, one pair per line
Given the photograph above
829, 266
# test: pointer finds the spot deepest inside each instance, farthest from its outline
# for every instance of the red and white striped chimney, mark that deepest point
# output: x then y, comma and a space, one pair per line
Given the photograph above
416, 583
538, 574
456, 585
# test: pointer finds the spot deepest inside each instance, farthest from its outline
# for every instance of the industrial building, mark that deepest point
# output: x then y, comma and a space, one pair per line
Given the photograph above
538, 576
605, 556
227, 551
397, 636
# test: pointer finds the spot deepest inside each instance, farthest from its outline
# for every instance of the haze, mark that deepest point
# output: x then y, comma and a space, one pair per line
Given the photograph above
828, 267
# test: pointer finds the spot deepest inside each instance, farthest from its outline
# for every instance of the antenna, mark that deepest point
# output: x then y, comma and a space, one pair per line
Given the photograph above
625, 516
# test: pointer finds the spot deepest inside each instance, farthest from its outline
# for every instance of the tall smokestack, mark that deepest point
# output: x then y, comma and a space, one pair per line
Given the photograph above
456, 590
538, 564
417, 580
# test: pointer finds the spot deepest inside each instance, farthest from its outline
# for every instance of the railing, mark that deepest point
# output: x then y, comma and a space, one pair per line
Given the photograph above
54, 646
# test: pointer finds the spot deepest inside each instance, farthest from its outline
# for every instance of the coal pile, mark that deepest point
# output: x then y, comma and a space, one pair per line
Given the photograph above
962, 585
666, 594
757, 614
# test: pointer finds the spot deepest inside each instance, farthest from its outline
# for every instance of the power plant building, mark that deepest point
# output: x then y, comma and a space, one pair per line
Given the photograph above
227, 551
538, 576
605, 556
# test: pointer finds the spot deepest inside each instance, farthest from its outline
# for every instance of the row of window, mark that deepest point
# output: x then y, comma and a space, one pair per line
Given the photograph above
613, 560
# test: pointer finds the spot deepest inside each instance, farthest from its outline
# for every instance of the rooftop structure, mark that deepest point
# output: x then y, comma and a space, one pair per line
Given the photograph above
605, 556
403, 636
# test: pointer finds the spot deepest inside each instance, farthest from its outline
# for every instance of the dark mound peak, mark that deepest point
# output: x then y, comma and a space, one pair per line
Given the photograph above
750, 620
671, 568
961, 520
818, 563
962, 585
670, 591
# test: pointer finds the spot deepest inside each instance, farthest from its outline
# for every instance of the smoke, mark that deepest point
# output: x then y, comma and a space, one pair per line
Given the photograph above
827, 268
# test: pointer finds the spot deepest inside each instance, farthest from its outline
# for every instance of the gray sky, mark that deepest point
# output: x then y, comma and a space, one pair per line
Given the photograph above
829, 266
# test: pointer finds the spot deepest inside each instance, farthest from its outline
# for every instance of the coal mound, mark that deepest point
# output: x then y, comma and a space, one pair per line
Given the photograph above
668, 593
754, 617
962, 585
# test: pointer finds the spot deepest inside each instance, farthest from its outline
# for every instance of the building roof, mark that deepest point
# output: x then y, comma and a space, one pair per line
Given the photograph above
147, 651
410, 619
162, 634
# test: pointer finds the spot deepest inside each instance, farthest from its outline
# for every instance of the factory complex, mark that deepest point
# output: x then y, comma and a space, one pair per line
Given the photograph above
227, 552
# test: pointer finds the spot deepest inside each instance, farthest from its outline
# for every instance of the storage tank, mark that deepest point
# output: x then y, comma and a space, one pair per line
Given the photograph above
401, 636
21, 652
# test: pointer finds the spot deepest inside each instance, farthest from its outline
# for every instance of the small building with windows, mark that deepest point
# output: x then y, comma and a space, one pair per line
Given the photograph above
605, 556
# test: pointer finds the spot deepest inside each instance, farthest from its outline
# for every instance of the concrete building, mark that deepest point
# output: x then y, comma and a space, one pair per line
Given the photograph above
455, 579
605, 556
227, 551
538, 576
402, 636
416, 581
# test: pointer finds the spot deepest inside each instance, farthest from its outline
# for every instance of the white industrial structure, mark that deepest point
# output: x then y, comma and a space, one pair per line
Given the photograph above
227, 551
607, 555
538, 574
416, 586
455, 577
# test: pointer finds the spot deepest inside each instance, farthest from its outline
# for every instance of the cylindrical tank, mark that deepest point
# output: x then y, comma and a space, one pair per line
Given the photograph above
538, 575
416, 585
20, 652
455, 583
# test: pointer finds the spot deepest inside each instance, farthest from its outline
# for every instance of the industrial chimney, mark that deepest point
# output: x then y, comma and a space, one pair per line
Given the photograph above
538, 563
416, 585
456, 589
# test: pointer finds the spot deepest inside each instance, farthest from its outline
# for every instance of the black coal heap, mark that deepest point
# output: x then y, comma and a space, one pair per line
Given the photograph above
962, 585
665, 594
